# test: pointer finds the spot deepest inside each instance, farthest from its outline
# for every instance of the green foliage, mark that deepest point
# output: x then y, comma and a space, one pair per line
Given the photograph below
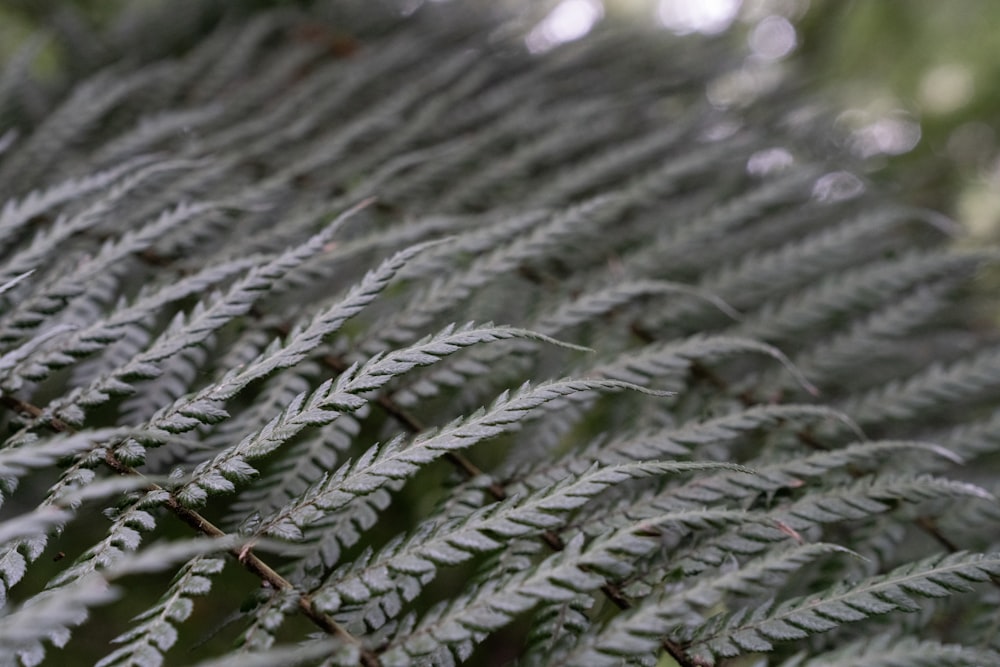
394, 343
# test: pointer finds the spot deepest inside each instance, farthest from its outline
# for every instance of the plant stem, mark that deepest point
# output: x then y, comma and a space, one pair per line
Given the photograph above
244, 555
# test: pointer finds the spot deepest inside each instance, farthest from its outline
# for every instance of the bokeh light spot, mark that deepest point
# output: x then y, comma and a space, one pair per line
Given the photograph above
708, 17
568, 21
773, 38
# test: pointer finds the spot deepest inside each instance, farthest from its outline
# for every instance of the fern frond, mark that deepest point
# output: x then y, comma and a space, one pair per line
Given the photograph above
875, 340
17, 355
771, 476
519, 358
49, 618
10, 284
975, 439
622, 157
27, 526
640, 631
474, 192
146, 643
682, 441
757, 630
332, 653
83, 109
670, 361
181, 325
887, 651
51, 614
308, 457
308, 336
330, 401
123, 537
446, 294
457, 627
392, 463
65, 227
16, 461
969, 380
860, 500
77, 489
383, 581
556, 626
110, 259
17, 212
855, 291
776, 272
676, 243
151, 131
599, 302
125, 322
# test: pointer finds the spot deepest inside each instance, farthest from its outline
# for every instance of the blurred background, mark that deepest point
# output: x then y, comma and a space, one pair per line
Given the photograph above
915, 82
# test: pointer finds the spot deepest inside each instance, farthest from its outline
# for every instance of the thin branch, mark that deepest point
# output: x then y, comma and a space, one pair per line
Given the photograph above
35, 412
244, 555
551, 539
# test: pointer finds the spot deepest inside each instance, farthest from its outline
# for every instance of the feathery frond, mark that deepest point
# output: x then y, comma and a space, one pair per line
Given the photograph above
394, 335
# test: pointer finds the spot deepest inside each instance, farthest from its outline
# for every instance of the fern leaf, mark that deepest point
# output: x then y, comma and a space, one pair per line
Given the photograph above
51, 614
10, 284
306, 338
671, 360
591, 305
601, 301
170, 279
394, 462
639, 631
25, 538
878, 336
17, 355
32, 257
73, 284
560, 577
773, 476
887, 651
16, 461
791, 265
16, 213
49, 618
446, 294
330, 401
626, 155
336, 654
557, 626
974, 439
860, 500
334, 512
156, 633
686, 439
968, 380
855, 291
755, 631
403, 570
678, 242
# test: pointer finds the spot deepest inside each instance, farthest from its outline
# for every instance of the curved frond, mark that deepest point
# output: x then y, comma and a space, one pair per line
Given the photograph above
899, 590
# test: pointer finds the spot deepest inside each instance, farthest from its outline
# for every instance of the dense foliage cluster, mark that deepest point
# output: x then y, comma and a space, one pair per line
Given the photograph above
354, 337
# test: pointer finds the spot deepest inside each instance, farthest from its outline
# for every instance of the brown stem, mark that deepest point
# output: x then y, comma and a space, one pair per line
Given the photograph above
928, 526
610, 590
250, 561
33, 411
413, 425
